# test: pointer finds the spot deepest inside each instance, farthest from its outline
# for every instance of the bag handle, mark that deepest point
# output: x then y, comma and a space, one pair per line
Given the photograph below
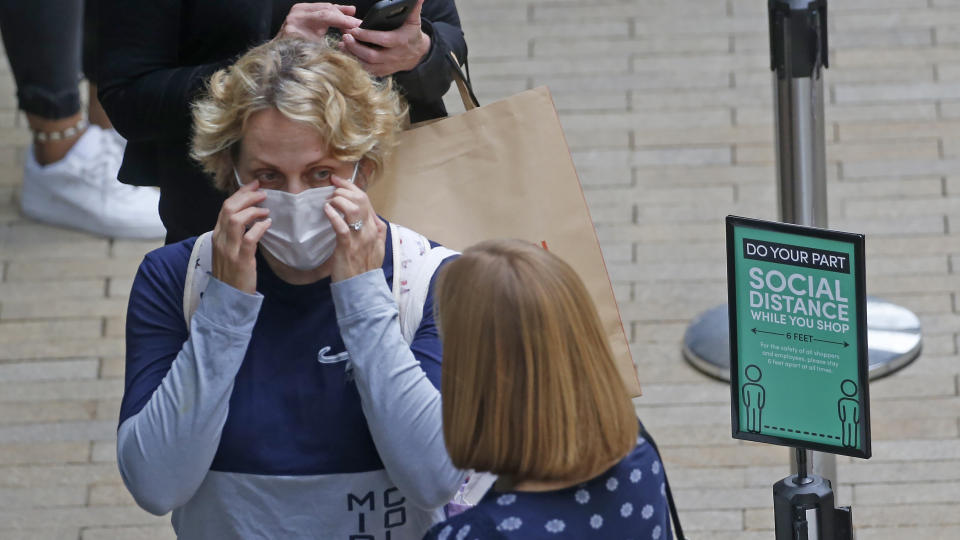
677, 529
462, 79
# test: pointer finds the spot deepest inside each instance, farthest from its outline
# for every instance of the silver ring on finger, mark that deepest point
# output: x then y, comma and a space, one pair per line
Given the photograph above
356, 225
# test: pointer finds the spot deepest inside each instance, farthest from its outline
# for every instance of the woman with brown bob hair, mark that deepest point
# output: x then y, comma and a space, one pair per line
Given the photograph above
282, 371
531, 394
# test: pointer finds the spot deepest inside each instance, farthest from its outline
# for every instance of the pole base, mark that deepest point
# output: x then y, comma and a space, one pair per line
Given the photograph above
893, 338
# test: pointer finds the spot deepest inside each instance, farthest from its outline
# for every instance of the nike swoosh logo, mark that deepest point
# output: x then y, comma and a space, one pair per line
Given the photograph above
324, 358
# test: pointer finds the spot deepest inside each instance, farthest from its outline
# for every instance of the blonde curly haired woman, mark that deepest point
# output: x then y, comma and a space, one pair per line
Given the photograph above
292, 405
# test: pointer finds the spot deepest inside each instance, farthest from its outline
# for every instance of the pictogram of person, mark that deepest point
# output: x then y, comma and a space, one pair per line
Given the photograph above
849, 409
754, 398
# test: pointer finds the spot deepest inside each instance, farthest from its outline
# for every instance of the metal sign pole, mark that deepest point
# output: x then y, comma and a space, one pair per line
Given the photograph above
803, 503
798, 49
803, 508
798, 54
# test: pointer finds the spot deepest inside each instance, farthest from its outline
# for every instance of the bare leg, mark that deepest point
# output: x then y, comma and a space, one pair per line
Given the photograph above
96, 113
52, 151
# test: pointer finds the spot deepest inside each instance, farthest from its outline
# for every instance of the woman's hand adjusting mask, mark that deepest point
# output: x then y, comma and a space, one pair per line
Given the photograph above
361, 234
240, 226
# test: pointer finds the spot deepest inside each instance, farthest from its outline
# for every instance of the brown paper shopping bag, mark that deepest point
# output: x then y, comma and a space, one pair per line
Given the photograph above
502, 171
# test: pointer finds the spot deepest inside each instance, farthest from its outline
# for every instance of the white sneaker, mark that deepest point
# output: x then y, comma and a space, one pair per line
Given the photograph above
116, 140
81, 191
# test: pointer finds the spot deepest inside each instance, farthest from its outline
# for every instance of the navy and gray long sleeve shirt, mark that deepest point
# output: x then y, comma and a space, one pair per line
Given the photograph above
298, 412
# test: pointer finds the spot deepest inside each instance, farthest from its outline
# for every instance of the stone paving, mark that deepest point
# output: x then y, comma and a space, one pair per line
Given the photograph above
667, 108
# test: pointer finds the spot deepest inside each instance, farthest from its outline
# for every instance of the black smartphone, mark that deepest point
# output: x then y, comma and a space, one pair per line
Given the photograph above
387, 15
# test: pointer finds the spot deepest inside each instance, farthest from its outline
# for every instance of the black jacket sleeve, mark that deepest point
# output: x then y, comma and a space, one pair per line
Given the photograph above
143, 87
431, 79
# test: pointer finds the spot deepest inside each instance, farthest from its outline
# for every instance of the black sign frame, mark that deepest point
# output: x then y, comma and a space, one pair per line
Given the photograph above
863, 366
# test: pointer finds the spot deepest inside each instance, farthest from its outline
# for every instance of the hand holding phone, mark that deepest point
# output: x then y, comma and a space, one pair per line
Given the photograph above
385, 52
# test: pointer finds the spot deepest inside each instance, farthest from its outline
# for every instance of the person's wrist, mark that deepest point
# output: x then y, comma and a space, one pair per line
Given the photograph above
360, 293
423, 48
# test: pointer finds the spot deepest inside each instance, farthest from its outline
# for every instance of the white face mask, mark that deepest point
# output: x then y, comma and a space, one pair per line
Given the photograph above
300, 236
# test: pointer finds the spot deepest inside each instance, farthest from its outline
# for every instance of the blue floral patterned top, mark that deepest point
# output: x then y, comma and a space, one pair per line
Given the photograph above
627, 502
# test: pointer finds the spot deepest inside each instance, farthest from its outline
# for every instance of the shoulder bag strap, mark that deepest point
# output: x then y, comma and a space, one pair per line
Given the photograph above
198, 275
414, 262
677, 529
464, 85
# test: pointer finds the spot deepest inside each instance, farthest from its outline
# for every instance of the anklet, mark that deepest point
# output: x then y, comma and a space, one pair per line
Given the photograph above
45, 136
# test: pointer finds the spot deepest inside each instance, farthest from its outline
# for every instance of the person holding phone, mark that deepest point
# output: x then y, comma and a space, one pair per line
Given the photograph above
157, 56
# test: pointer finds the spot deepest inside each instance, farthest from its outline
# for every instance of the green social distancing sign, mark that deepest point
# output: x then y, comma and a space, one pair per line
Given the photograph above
798, 347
